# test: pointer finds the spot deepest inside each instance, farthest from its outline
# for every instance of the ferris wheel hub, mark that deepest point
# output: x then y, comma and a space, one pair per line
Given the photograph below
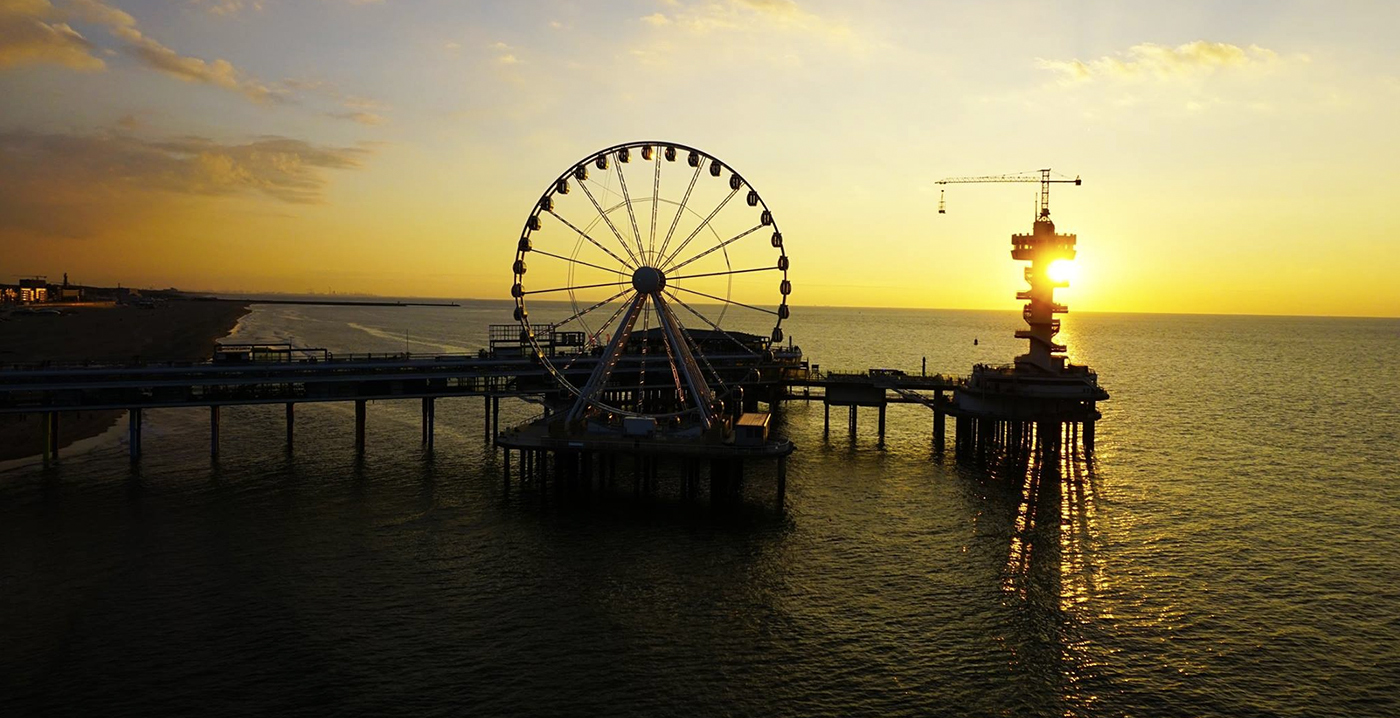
648, 280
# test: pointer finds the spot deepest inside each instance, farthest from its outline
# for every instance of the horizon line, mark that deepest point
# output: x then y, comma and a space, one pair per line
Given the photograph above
821, 306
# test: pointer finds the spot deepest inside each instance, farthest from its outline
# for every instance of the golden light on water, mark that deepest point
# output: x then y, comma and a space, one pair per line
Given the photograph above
1062, 270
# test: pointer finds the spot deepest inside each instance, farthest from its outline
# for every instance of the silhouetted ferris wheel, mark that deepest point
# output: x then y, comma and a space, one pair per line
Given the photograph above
664, 254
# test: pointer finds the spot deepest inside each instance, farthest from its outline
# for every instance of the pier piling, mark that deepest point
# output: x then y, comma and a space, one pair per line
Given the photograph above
428, 421
133, 433
291, 414
214, 431
782, 481
50, 437
360, 425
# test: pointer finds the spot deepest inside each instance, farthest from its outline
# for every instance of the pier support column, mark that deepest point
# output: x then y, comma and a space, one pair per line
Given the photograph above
429, 420
940, 428
505, 469
214, 431
1089, 436
360, 425
291, 417
882, 425
782, 481
133, 433
826, 420
486, 418
495, 418
50, 437
852, 427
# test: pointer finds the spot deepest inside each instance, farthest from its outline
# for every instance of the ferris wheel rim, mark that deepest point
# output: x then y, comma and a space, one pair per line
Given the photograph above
669, 261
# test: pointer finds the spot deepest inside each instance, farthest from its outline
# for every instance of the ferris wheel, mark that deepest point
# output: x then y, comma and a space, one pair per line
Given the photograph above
656, 256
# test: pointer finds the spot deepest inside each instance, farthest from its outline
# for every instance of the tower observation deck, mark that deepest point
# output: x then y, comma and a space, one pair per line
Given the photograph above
1042, 248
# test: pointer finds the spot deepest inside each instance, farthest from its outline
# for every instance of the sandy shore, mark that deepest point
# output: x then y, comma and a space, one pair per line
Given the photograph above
104, 333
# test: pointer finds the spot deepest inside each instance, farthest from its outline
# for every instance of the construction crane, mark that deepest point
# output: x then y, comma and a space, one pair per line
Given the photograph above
1043, 177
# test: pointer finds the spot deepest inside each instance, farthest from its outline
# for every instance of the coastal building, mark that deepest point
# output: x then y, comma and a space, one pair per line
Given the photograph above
34, 289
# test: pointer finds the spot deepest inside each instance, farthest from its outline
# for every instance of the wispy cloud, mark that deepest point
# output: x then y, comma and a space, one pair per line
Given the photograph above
72, 185
1150, 61
34, 32
364, 118
503, 54
706, 16
229, 7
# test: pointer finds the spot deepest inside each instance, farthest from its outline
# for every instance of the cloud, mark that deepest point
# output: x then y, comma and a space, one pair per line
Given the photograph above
36, 31
706, 16
232, 8
218, 73
1160, 62
364, 118
73, 185
503, 54
229, 7
33, 32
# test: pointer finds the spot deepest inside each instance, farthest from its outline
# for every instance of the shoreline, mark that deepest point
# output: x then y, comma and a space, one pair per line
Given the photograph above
176, 330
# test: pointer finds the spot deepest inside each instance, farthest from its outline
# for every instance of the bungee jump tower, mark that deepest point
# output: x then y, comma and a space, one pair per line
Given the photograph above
1040, 406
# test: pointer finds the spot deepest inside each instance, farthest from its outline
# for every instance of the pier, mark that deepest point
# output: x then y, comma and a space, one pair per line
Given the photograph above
657, 381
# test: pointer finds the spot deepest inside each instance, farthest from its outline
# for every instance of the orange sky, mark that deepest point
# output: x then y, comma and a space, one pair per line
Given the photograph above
1236, 158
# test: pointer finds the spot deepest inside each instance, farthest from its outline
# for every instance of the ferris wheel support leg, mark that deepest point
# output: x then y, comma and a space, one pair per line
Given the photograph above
609, 359
690, 370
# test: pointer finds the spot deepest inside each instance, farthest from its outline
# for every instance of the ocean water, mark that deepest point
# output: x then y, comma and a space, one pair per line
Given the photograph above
1232, 550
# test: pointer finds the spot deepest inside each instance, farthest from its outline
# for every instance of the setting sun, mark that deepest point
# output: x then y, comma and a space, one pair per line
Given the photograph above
1062, 270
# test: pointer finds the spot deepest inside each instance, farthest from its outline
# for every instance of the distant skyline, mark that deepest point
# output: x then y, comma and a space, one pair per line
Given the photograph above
1236, 157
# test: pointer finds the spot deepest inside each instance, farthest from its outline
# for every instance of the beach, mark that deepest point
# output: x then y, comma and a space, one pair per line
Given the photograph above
104, 333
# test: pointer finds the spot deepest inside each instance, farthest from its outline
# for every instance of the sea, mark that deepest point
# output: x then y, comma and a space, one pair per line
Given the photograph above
1232, 548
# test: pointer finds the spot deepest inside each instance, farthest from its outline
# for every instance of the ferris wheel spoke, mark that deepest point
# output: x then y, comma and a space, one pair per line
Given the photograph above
680, 209
723, 274
593, 336
577, 286
702, 226
613, 227
728, 301
580, 313
655, 195
632, 215
593, 241
695, 349
713, 325
719, 246
575, 261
